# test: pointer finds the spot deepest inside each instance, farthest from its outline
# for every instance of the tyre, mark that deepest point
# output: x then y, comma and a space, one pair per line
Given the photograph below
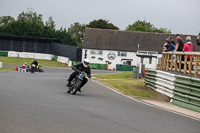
76, 87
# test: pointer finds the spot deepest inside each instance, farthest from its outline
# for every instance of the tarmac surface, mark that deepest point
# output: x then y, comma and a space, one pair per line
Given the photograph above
39, 103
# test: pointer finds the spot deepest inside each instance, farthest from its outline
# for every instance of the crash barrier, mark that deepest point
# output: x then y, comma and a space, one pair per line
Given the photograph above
135, 72
187, 92
63, 59
21, 69
178, 61
3, 53
55, 58
120, 67
1, 64
30, 55
184, 91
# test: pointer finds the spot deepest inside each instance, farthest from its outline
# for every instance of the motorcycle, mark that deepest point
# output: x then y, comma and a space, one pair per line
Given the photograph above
76, 83
35, 68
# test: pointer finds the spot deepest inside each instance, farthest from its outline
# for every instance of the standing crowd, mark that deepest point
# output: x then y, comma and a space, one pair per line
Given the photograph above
180, 46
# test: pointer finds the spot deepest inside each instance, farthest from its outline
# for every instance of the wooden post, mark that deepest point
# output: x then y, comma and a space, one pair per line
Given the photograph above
175, 63
185, 64
165, 62
180, 58
171, 61
167, 68
196, 66
162, 62
190, 65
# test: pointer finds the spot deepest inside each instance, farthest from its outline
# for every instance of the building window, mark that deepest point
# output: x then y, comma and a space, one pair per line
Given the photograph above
96, 52
124, 54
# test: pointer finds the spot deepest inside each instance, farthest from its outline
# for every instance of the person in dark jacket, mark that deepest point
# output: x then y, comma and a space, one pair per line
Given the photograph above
171, 40
34, 64
179, 47
170, 45
84, 66
198, 42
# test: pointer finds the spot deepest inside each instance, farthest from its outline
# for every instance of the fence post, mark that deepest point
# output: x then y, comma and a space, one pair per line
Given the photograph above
185, 64
167, 68
180, 62
172, 59
190, 65
175, 62
196, 64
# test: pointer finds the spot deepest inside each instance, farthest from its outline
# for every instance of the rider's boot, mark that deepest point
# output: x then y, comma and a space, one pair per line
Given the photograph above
79, 89
68, 84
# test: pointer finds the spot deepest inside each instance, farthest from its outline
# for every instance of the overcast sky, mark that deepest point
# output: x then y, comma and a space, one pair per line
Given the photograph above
181, 16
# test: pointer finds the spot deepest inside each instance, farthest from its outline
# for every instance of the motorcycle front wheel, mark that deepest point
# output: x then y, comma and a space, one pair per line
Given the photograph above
76, 86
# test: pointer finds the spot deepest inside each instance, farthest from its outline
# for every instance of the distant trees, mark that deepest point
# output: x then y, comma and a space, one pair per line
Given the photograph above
77, 30
146, 27
102, 24
30, 24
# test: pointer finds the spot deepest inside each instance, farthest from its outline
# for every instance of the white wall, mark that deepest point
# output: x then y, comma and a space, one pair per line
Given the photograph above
117, 60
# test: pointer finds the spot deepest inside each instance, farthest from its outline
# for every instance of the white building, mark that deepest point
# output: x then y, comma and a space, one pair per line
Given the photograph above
121, 47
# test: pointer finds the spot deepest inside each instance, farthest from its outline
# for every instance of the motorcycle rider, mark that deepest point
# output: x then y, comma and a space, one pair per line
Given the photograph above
84, 66
34, 64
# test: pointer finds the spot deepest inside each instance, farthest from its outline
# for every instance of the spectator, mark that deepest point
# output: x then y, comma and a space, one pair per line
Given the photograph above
188, 47
198, 42
165, 46
179, 47
171, 40
179, 44
171, 46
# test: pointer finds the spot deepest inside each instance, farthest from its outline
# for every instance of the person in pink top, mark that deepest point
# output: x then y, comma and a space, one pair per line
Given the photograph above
188, 47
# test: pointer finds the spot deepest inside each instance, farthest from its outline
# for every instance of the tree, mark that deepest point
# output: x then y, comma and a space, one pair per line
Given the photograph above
30, 24
146, 27
102, 24
5, 20
77, 31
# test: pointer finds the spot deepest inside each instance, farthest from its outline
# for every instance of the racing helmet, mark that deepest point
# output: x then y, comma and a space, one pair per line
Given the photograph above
86, 63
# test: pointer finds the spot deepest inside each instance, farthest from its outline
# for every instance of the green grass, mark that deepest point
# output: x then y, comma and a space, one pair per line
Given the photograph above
134, 87
128, 85
7, 69
20, 62
121, 75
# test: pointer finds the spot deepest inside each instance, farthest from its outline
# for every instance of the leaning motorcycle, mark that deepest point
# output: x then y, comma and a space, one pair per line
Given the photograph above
76, 83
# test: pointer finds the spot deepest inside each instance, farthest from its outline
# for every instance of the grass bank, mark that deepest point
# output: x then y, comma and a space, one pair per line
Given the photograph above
128, 85
20, 62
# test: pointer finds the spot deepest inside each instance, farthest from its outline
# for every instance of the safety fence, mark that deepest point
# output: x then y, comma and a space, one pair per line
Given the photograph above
184, 91
40, 56
185, 62
120, 67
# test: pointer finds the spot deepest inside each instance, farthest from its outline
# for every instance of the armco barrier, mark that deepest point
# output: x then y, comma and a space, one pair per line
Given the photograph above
1, 64
3, 53
63, 59
120, 67
150, 78
187, 92
13, 54
183, 91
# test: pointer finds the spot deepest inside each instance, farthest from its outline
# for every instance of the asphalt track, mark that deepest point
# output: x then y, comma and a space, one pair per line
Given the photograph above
38, 103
